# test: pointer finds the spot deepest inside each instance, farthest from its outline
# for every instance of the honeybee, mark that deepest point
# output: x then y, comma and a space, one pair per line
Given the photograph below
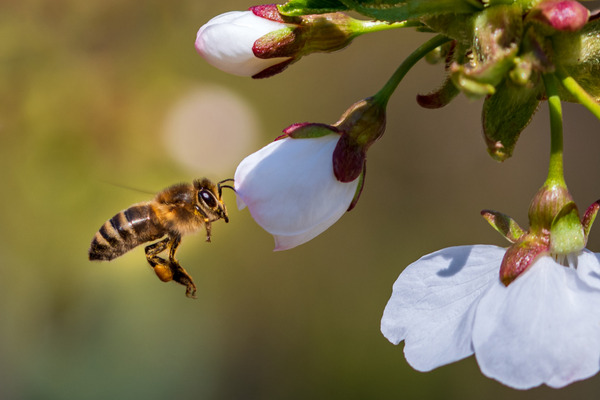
174, 212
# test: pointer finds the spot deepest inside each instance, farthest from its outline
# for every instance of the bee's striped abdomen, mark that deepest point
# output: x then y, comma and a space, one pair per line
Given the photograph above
126, 230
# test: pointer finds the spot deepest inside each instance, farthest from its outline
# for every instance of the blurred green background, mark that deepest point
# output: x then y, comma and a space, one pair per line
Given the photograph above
98, 98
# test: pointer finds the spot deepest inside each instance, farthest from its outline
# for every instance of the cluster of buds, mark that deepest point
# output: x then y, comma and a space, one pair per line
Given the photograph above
500, 55
262, 42
498, 51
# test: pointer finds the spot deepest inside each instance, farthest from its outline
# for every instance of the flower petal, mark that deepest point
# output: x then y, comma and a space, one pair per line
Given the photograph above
434, 300
290, 189
285, 242
543, 328
588, 268
226, 42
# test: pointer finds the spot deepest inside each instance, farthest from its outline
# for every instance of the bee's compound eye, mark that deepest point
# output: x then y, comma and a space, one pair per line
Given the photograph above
207, 198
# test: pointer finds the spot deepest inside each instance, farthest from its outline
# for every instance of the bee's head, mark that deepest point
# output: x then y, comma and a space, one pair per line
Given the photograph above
209, 199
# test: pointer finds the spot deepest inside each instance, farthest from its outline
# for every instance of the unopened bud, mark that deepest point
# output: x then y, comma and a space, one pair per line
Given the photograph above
262, 42
546, 205
561, 15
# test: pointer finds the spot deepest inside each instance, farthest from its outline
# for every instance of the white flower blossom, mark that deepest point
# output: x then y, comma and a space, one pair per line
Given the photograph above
291, 191
543, 328
227, 40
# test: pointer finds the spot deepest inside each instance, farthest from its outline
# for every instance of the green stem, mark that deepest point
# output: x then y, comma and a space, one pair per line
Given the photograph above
378, 26
555, 170
388, 89
578, 92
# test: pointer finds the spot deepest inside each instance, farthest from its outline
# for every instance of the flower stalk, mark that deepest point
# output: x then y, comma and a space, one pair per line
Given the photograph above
577, 91
390, 86
362, 27
555, 169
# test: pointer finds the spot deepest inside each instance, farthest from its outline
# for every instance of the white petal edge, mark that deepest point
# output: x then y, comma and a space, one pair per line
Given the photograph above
588, 268
286, 242
433, 303
544, 328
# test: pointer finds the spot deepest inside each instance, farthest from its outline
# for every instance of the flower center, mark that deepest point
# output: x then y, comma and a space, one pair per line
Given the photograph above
568, 260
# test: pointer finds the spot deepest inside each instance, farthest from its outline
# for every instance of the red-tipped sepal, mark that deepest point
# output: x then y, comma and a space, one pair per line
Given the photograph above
521, 255
307, 130
589, 217
361, 126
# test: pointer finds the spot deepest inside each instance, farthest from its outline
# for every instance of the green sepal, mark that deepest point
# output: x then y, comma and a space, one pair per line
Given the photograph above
401, 10
504, 224
305, 7
566, 232
308, 130
279, 43
471, 87
505, 114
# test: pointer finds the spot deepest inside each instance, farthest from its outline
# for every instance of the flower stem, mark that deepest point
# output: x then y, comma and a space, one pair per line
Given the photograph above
377, 26
577, 91
388, 89
555, 170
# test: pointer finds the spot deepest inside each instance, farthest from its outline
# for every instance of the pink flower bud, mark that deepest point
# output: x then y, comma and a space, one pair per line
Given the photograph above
562, 15
227, 42
262, 42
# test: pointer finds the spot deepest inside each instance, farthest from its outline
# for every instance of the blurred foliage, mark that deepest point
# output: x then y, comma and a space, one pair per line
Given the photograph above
84, 90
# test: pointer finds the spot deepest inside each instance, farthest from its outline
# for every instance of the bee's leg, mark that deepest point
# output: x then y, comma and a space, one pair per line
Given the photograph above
161, 267
175, 240
208, 227
154, 249
180, 275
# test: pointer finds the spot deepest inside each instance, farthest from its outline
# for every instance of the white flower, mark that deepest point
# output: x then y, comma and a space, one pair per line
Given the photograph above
227, 40
543, 328
291, 191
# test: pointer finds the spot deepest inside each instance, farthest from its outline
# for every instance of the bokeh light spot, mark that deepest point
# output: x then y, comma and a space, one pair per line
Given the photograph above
210, 129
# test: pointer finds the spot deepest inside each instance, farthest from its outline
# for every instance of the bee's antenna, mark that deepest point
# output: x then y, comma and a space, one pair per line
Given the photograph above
220, 186
135, 189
